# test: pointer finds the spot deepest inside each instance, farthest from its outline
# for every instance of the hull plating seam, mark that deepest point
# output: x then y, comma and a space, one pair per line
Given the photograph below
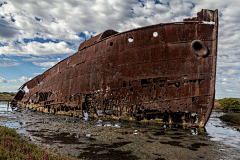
163, 73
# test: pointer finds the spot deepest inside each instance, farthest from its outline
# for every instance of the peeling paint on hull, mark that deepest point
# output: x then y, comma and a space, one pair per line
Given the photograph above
164, 73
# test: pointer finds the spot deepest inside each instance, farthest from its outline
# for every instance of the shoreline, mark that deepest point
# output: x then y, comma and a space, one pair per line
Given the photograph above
82, 138
231, 117
6, 98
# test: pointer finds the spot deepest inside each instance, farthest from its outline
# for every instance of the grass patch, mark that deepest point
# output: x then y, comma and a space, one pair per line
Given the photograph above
231, 117
5, 99
7, 94
12, 147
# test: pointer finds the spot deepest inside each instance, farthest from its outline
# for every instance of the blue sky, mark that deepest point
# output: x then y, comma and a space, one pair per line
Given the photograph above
35, 35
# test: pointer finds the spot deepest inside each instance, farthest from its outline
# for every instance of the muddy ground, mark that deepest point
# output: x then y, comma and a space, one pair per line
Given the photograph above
89, 139
5, 98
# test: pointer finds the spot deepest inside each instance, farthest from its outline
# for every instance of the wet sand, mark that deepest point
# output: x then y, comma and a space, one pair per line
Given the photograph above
89, 139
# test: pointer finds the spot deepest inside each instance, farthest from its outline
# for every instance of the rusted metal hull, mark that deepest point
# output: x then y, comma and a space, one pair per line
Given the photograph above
164, 72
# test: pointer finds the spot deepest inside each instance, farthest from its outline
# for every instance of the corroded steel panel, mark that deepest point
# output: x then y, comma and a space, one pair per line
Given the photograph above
142, 73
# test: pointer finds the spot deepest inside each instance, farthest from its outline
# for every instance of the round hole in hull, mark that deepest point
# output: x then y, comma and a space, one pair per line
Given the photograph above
155, 34
130, 39
199, 48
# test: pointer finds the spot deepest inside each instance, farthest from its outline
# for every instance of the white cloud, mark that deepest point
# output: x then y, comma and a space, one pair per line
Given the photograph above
37, 74
12, 80
9, 88
50, 63
35, 59
6, 62
45, 64
2, 80
62, 22
7, 32
24, 79
37, 49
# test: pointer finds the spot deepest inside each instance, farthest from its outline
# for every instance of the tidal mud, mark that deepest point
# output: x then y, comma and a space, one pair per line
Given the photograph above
89, 139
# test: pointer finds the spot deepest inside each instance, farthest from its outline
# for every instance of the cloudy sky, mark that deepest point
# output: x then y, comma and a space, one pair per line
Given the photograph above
35, 35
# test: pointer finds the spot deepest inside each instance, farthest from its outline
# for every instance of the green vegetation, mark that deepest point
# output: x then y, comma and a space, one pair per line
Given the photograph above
12, 147
5, 96
231, 117
5, 99
230, 104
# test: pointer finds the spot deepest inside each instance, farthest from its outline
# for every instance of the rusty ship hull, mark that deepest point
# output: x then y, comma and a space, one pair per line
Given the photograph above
164, 72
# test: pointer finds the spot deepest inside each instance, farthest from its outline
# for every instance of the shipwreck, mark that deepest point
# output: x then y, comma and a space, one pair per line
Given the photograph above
163, 73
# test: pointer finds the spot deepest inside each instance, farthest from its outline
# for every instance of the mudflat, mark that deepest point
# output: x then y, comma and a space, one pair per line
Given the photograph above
89, 139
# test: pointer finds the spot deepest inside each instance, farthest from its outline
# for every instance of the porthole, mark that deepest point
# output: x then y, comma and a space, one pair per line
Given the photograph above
155, 34
199, 48
130, 39
111, 43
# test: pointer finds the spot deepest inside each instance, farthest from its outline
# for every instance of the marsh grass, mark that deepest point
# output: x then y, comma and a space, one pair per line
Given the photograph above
231, 117
5, 99
12, 147
6, 96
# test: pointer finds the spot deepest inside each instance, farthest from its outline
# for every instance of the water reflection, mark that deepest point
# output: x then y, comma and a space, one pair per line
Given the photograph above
215, 129
15, 124
108, 124
220, 131
4, 107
